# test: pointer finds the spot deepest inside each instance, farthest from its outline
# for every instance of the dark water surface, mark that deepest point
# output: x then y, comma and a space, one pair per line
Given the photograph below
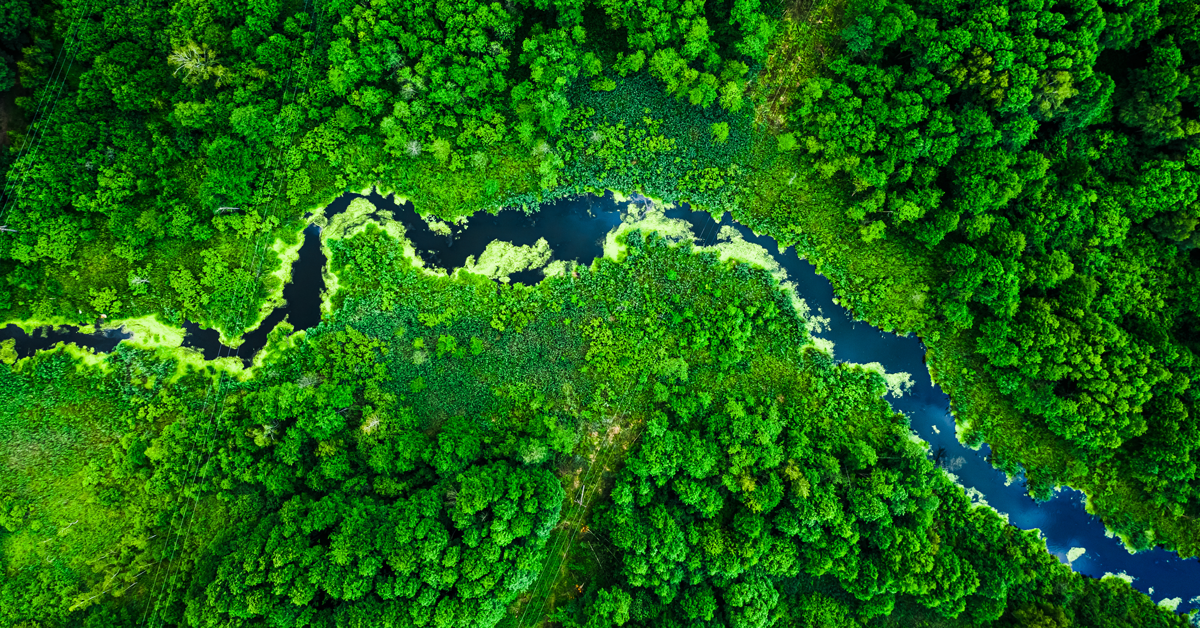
303, 310
575, 229
102, 341
1064, 522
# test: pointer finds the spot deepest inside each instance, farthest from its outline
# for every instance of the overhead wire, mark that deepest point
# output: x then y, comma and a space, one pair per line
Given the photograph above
45, 97
568, 539
37, 131
150, 611
44, 110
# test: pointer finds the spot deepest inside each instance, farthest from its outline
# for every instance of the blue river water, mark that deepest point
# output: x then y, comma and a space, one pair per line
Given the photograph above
576, 228
1063, 521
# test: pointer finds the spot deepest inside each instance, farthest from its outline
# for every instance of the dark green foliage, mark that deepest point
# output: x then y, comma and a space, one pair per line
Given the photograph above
1032, 166
15, 16
161, 119
806, 503
324, 489
1046, 155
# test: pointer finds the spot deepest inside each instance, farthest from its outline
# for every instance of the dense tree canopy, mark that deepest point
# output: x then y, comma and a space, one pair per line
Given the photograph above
750, 508
652, 441
143, 143
376, 471
1046, 155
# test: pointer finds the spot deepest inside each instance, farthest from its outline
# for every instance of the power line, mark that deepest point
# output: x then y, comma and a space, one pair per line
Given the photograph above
38, 132
45, 93
189, 523
568, 539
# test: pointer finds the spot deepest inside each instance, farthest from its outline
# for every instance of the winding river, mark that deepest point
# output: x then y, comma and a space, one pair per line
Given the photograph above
576, 228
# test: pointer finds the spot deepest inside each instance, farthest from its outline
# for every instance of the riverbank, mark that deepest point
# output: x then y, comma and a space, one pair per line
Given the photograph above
887, 283
583, 223
571, 228
843, 335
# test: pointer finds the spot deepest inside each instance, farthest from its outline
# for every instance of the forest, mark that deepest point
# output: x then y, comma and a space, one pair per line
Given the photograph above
410, 465
651, 440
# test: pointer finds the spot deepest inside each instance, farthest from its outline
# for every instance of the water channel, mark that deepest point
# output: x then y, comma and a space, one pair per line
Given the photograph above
575, 229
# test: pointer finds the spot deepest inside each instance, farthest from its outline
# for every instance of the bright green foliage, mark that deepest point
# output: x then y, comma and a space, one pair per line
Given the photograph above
1015, 180
720, 132
173, 115
810, 485
324, 489
1045, 156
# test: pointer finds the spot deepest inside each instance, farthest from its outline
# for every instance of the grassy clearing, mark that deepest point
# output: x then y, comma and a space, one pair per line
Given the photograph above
580, 557
58, 441
77, 508
587, 477
809, 33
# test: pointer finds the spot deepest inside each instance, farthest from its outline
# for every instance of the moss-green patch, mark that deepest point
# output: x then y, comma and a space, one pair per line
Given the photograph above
149, 332
501, 259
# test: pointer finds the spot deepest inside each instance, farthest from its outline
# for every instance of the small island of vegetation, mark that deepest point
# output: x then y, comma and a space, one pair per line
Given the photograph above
652, 439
